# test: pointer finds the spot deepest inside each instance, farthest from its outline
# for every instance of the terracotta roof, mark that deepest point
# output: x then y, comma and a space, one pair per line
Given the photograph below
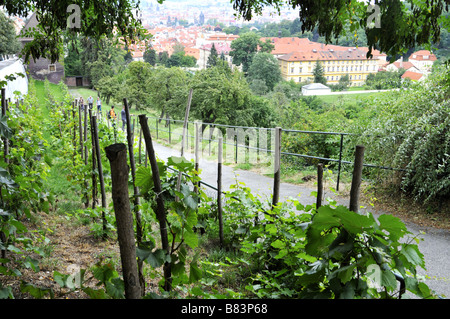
420, 56
192, 52
220, 47
324, 55
412, 75
403, 65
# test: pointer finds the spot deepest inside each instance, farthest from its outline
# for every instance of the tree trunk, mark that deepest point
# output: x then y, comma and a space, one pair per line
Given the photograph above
117, 156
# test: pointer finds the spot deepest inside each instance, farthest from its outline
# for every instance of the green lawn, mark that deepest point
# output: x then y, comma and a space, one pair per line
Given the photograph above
347, 98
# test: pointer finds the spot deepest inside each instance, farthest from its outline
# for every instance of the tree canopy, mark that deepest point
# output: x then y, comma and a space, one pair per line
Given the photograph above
94, 18
8, 41
402, 24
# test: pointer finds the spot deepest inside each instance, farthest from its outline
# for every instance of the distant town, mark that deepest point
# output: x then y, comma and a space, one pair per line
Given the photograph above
199, 25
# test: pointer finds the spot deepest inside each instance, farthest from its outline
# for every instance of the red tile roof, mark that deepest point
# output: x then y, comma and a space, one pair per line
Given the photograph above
421, 54
324, 55
412, 75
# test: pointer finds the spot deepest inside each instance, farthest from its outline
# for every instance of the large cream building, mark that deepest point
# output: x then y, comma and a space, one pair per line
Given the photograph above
337, 61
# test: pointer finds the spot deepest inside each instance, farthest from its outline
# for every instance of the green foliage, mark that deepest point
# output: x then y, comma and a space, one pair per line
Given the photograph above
265, 67
244, 49
319, 73
8, 40
97, 19
403, 24
385, 80
409, 130
296, 251
181, 218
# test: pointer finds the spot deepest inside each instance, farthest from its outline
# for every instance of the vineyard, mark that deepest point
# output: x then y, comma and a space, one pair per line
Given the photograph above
152, 231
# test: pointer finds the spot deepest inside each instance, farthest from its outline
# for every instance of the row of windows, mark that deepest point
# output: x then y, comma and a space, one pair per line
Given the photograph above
338, 69
337, 77
339, 62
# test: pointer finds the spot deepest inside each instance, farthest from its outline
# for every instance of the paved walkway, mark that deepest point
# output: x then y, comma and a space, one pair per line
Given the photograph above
435, 245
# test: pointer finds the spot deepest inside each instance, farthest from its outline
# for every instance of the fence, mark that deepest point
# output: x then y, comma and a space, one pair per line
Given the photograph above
260, 145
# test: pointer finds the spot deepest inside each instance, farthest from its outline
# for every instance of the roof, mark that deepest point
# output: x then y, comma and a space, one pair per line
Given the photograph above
412, 75
315, 86
221, 47
287, 44
31, 23
403, 65
324, 55
423, 55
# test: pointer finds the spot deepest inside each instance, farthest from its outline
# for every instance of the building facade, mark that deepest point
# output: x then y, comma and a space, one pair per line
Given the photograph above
336, 62
41, 69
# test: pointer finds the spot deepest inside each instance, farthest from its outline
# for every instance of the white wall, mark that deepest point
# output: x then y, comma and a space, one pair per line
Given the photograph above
11, 67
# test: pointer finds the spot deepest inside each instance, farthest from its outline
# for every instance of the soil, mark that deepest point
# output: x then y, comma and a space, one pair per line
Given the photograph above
73, 247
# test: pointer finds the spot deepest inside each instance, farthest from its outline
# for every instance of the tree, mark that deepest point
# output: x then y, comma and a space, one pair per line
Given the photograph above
212, 58
344, 82
168, 88
8, 40
244, 48
403, 24
319, 73
180, 59
94, 19
266, 46
108, 87
163, 57
265, 67
135, 87
223, 96
150, 56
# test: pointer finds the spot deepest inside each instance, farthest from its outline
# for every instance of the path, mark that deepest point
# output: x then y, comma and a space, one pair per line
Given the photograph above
435, 245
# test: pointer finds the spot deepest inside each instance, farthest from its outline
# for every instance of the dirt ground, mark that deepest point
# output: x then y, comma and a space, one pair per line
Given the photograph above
73, 247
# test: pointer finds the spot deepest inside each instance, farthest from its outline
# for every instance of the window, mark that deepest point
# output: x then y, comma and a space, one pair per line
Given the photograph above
292, 70
52, 68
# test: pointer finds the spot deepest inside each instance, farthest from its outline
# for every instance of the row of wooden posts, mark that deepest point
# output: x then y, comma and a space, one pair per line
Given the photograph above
117, 156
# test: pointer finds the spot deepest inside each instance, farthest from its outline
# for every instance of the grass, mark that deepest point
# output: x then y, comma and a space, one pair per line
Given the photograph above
68, 199
345, 98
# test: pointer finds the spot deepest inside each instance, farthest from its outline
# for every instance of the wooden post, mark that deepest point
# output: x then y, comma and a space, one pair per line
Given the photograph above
277, 167
85, 136
356, 180
186, 117
117, 156
133, 170
137, 213
80, 132
140, 145
319, 185
94, 164
160, 210
197, 152
219, 189
100, 172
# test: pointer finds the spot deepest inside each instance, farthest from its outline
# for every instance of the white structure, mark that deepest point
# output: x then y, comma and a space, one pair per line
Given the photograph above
205, 52
315, 89
20, 84
423, 60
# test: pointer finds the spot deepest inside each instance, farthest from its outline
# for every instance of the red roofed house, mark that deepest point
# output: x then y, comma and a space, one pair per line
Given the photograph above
221, 47
400, 64
423, 60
